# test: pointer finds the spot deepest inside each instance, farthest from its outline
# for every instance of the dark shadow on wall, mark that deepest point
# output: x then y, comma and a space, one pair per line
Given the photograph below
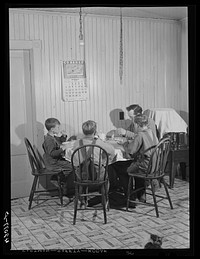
117, 121
185, 116
21, 147
40, 135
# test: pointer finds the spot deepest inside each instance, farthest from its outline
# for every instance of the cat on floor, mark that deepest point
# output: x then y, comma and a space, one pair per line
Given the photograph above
155, 242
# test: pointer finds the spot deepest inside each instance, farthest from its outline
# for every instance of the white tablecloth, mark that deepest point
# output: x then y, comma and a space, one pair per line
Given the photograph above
118, 151
167, 120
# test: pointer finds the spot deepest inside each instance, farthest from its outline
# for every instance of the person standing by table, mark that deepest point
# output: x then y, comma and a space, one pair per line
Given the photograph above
54, 152
129, 133
144, 138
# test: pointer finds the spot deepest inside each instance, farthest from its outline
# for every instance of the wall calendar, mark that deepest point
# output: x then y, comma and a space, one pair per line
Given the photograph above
74, 80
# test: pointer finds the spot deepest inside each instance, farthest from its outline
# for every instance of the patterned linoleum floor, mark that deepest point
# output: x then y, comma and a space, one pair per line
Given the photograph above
48, 226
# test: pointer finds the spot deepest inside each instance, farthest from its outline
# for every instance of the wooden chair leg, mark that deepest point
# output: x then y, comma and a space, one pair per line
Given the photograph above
154, 199
32, 191
107, 196
167, 193
103, 201
60, 190
75, 204
128, 192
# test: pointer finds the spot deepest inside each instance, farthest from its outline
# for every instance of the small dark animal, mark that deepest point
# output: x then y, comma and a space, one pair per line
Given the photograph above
155, 242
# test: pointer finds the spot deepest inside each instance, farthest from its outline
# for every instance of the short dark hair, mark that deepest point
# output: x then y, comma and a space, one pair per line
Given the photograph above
135, 107
141, 120
89, 127
51, 123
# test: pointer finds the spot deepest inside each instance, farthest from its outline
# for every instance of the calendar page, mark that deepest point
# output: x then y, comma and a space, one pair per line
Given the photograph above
74, 81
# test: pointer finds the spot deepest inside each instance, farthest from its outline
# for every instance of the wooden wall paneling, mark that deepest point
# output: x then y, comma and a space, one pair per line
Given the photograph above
130, 69
125, 63
59, 67
101, 116
46, 75
115, 53
90, 69
73, 105
43, 87
36, 26
147, 84
176, 76
164, 64
157, 57
31, 27
142, 64
137, 57
21, 26
66, 56
74, 43
56, 67
84, 110
79, 51
103, 71
115, 69
77, 57
114, 64
68, 105
178, 65
11, 26
170, 74
167, 40
109, 86
26, 26
16, 26
173, 71
154, 65
98, 75
51, 68
151, 68
87, 53
133, 85
162, 47
95, 72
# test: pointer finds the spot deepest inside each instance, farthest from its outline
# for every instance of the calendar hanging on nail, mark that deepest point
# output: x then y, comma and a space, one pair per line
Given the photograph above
74, 86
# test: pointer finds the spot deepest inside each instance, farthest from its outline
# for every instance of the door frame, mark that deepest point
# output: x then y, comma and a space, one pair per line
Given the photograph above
34, 46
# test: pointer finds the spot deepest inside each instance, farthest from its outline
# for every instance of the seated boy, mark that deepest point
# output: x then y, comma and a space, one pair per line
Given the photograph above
144, 138
89, 129
54, 152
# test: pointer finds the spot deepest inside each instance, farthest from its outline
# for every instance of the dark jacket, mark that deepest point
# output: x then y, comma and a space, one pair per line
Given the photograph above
53, 154
142, 141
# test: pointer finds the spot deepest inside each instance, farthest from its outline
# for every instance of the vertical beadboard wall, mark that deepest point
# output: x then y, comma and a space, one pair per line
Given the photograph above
152, 64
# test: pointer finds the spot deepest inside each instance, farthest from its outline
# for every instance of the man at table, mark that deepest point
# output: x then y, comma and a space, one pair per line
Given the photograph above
129, 133
144, 138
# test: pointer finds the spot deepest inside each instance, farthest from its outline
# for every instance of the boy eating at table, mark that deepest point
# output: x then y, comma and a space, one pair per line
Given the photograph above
144, 138
54, 152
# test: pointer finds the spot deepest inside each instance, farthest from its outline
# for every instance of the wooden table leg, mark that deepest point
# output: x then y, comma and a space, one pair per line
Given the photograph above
172, 171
